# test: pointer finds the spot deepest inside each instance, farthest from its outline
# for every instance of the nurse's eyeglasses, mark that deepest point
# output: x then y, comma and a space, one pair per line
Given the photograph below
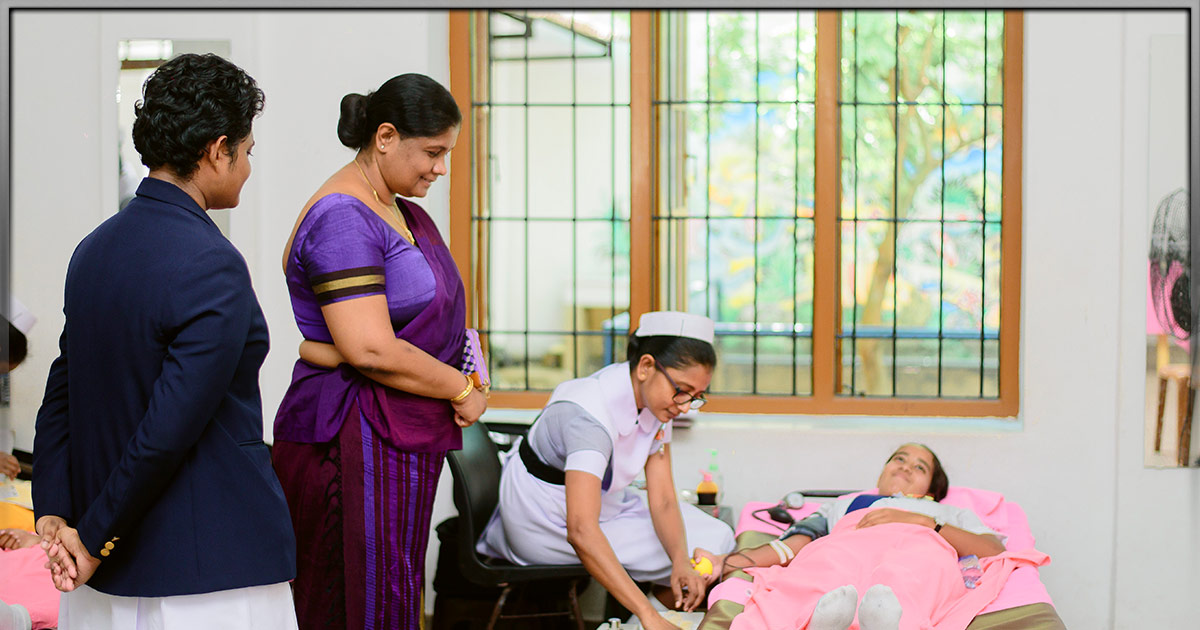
682, 397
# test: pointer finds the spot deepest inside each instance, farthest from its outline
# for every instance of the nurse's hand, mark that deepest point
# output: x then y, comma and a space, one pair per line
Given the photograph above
716, 560
657, 622
687, 585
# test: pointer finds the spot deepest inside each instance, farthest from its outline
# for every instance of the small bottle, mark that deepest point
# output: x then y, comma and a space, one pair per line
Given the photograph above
971, 572
706, 491
717, 477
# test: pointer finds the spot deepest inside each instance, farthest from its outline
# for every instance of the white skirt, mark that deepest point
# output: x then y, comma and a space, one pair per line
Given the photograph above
266, 607
530, 527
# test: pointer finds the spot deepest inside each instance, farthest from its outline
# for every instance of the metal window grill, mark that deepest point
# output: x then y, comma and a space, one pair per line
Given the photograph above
731, 236
885, 348
557, 278
952, 351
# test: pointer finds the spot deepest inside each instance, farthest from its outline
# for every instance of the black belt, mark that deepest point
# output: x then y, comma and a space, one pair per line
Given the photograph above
538, 468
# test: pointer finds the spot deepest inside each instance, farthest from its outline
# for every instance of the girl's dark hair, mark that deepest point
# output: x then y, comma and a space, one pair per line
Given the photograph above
188, 102
671, 351
416, 105
17, 345
939, 482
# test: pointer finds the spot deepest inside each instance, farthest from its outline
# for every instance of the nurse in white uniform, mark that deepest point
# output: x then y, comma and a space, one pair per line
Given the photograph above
565, 496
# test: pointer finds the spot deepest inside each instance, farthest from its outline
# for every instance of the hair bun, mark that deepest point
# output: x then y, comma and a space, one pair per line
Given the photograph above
352, 124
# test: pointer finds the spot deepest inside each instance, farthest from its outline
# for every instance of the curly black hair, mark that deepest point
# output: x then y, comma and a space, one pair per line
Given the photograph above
187, 103
416, 105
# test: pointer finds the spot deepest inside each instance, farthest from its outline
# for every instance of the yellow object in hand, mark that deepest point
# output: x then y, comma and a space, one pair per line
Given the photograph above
703, 566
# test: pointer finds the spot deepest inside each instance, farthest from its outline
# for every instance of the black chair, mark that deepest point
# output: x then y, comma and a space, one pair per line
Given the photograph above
476, 471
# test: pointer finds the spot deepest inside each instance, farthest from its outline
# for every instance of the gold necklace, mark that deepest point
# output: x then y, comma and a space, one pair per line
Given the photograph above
404, 231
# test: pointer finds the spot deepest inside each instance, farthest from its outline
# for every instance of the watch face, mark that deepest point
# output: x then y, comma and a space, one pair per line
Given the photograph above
794, 500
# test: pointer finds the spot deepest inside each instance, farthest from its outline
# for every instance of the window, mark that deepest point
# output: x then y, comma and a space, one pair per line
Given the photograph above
838, 191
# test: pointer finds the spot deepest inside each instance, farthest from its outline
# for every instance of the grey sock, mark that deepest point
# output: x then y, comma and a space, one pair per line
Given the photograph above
879, 610
835, 609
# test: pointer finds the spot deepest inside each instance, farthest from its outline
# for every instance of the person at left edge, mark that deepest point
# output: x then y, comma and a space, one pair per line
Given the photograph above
153, 489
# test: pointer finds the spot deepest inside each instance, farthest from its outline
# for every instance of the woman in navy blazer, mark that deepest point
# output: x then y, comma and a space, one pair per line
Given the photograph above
151, 480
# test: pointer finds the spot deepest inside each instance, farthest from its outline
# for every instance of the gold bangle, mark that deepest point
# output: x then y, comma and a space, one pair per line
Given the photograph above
464, 393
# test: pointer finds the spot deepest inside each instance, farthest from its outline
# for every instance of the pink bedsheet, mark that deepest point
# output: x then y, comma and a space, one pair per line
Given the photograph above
1005, 517
25, 581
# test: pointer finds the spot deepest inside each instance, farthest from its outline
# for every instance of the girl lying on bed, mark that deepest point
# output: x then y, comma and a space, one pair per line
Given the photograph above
900, 545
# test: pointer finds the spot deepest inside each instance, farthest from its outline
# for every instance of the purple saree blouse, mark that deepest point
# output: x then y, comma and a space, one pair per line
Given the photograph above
343, 250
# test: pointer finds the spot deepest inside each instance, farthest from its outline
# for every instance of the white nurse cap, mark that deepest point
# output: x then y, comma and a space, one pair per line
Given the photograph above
675, 324
19, 316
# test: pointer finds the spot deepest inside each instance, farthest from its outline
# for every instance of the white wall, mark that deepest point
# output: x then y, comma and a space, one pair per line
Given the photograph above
304, 77
1158, 515
1122, 537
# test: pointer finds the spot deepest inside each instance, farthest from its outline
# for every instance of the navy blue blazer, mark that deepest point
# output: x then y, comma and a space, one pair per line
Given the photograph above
149, 438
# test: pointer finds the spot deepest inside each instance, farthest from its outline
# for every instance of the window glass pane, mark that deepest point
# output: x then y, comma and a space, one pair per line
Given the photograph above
777, 193
806, 151
507, 147
991, 369
732, 270
595, 169
551, 172
873, 49
994, 159
732, 56
735, 361
995, 57
688, 270
991, 278
508, 82
506, 351
549, 360
873, 365
962, 292
961, 368
507, 286
919, 146
920, 56
773, 361
552, 256
684, 160
732, 160
963, 193
805, 256
868, 301
602, 290
966, 68
774, 281
916, 367
786, 56
918, 275
874, 155
804, 365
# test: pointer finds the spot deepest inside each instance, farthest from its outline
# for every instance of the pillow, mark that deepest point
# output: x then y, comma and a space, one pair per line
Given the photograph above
24, 580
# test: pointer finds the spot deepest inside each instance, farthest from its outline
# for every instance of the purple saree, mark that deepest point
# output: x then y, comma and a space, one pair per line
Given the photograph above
359, 462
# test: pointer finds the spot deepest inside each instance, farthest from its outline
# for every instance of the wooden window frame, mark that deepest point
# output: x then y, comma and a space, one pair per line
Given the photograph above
645, 259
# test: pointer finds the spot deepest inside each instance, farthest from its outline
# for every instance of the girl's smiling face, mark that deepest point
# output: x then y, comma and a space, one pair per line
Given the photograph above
908, 471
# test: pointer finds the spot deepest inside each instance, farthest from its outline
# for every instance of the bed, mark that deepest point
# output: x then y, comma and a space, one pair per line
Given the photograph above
23, 577
1021, 604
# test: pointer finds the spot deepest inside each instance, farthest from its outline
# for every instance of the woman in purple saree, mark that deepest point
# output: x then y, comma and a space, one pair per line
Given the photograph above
359, 446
